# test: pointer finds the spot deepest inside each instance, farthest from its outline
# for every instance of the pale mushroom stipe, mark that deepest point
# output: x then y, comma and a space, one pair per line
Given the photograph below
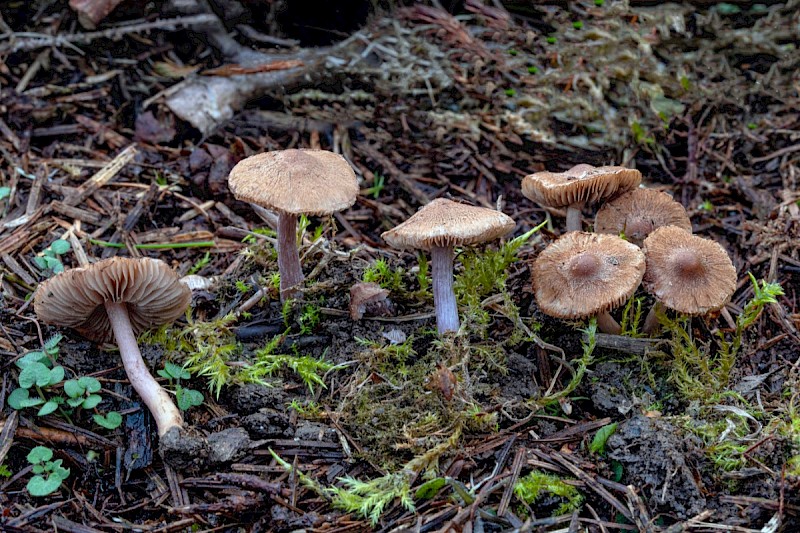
116, 299
294, 182
438, 227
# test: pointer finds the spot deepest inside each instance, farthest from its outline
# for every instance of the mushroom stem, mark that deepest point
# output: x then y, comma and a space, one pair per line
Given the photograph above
607, 324
651, 325
288, 256
444, 298
157, 400
574, 217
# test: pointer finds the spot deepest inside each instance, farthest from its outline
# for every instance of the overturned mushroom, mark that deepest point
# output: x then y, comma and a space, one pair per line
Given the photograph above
292, 183
118, 298
582, 184
438, 227
637, 213
582, 275
689, 274
368, 298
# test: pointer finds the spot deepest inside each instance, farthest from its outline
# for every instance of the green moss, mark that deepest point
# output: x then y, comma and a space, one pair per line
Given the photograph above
531, 487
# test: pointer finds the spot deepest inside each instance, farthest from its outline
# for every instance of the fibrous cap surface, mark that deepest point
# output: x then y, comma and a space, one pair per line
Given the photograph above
295, 181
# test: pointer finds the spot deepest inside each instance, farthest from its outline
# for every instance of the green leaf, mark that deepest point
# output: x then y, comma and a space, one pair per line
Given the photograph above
111, 420
164, 374
31, 402
17, 397
38, 468
176, 371
91, 384
5, 192
60, 247
92, 401
32, 357
75, 402
39, 486
56, 375
40, 262
73, 389
47, 408
618, 470
428, 490
51, 261
39, 454
51, 344
598, 444
188, 398
34, 374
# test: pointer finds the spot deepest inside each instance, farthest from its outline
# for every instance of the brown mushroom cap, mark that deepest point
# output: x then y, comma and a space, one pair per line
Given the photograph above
638, 212
585, 274
687, 273
582, 184
362, 295
312, 182
74, 298
446, 223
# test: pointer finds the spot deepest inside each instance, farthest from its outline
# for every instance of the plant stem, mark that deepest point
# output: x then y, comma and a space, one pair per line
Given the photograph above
288, 256
157, 400
444, 297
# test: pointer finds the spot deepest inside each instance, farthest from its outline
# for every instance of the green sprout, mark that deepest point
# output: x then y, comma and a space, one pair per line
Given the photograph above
49, 261
185, 398
49, 474
378, 184
533, 70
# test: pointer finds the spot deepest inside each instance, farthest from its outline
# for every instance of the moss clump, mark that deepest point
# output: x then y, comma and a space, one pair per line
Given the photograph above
536, 484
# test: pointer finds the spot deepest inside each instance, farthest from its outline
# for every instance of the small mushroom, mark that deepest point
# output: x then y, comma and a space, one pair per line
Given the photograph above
637, 213
582, 184
438, 227
118, 298
368, 298
689, 274
294, 182
587, 274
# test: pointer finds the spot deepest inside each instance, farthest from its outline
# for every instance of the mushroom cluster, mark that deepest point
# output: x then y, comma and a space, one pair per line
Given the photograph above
584, 275
642, 236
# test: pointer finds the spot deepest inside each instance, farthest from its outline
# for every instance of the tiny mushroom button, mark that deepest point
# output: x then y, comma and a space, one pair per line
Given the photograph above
637, 213
118, 298
438, 227
294, 182
686, 273
582, 184
583, 275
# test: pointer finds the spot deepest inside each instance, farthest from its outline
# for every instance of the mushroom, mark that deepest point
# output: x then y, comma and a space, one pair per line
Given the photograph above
587, 274
118, 298
637, 213
294, 182
438, 227
689, 274
368, 297
582, 184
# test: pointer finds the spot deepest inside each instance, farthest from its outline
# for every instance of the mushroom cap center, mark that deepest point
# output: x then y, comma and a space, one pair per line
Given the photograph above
687, 263
638, 227
584, 265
